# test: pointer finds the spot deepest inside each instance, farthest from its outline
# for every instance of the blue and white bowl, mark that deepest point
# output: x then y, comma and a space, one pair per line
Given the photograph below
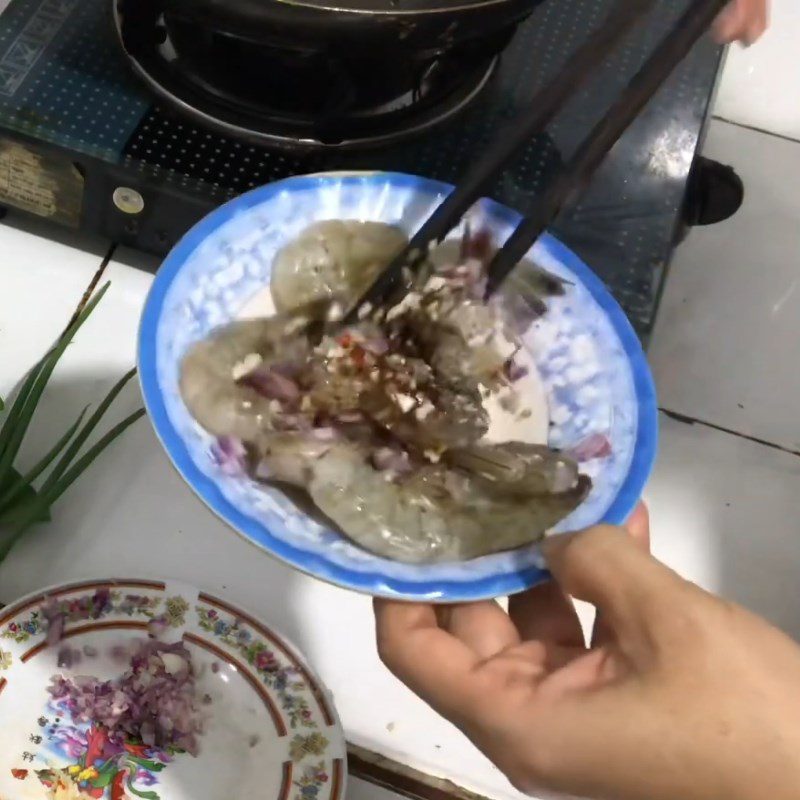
595, 375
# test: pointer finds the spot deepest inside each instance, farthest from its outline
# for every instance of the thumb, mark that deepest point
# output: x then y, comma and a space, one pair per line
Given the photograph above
638, 528
605, 567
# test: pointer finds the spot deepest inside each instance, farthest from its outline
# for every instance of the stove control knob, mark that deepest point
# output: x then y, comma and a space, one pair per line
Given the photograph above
127, 200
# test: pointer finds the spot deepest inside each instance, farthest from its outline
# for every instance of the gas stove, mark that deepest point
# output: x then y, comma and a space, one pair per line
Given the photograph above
137, 153
300, 95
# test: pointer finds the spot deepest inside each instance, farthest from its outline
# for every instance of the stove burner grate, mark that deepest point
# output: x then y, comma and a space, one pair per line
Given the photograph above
302, 99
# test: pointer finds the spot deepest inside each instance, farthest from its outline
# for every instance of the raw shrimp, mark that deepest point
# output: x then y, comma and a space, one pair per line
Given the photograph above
434, 512
517, 468
444, 418
381, 423
335, 260
400, 393
247, 379
523, 294
234, 383
467, 341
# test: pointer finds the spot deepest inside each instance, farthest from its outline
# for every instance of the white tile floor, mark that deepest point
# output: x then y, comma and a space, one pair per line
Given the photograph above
725, 351
724, 513
724, 508
759, 84
727, 338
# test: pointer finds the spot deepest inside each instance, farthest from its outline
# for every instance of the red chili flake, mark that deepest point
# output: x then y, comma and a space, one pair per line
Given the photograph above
358, 355
19, 774
345, 340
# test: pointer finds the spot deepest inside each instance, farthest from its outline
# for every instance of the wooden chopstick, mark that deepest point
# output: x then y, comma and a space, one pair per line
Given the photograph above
543, 107
644, 84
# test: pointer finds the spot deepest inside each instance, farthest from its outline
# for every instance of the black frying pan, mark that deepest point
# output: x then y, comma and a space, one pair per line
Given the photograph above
402, 26
307, 71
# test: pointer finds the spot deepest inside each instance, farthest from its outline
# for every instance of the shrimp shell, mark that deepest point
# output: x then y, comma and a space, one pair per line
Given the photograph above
333, 260
434, 514
219, 403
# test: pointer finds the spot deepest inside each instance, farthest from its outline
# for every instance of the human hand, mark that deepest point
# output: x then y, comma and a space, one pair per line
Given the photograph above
742, 20
681, 695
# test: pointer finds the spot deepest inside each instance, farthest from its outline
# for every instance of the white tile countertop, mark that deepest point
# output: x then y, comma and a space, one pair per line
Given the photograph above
724, 507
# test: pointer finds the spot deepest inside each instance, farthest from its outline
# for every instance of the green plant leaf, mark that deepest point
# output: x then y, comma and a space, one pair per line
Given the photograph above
16, 482
27, 490
29, 514
35, 384
10, 423
27, 495
24, 515
74, 472
17, 490
80, 439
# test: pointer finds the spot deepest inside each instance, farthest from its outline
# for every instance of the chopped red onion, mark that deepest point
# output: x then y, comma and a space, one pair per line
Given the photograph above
157, 626
289, 369
326, 434
596, 445
100, 600
153, 701
68, 657
514, 371
377, 346
272, 384
230, 454
263, 471
86, 608
119, 653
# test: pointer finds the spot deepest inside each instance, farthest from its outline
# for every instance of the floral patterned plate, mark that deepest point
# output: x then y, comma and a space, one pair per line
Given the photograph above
272, 731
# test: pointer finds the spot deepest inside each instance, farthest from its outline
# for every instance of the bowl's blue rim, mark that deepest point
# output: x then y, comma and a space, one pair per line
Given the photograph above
316, 565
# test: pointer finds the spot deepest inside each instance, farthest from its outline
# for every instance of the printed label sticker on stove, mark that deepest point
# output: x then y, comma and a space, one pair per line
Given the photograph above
40, 184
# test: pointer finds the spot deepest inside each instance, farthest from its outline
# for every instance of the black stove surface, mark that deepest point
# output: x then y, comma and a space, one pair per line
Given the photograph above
65, 89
